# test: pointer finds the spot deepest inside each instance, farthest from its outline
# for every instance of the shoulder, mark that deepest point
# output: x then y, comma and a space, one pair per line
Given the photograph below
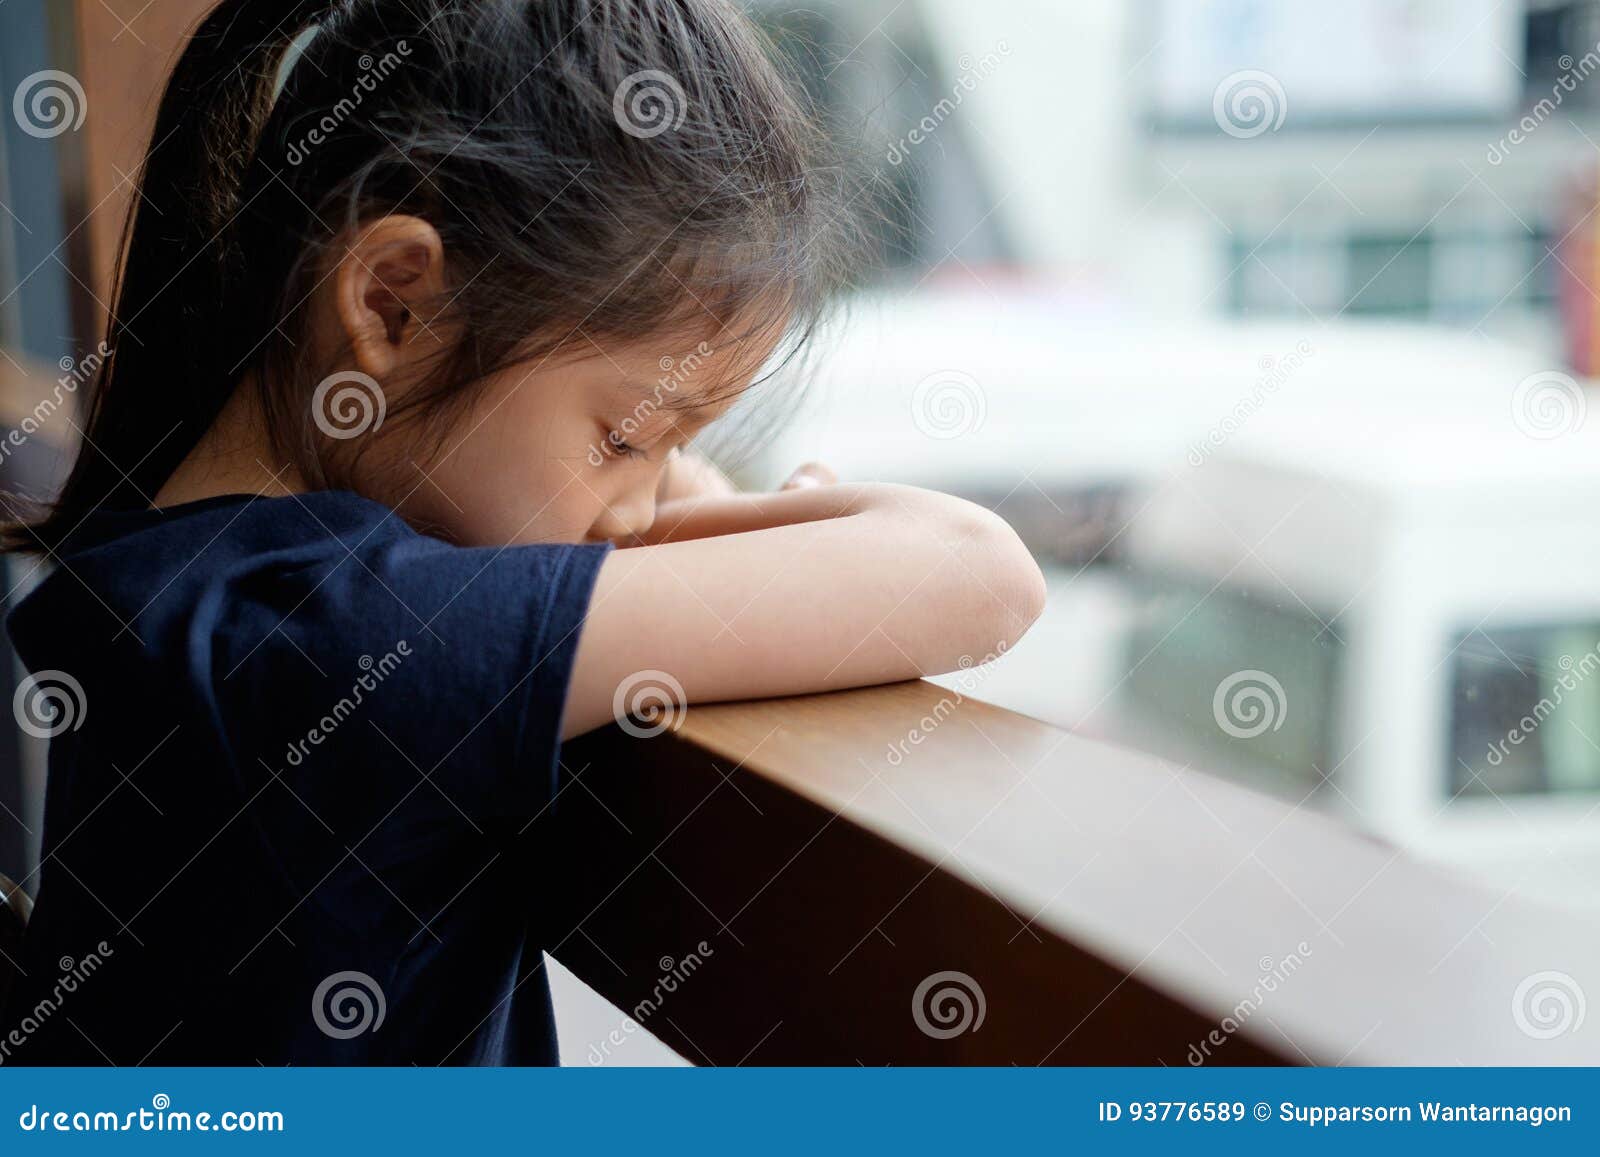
330, 567
233, 526
325, 627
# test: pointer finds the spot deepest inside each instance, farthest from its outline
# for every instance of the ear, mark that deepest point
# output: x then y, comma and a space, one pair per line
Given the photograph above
393, 270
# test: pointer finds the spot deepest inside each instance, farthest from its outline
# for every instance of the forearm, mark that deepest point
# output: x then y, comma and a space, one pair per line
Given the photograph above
710, 516
696, 500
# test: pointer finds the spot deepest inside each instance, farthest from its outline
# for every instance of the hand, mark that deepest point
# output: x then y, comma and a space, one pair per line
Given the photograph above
811, 474
690, 475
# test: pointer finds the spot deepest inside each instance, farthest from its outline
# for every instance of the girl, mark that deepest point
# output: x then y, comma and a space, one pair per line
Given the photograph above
381, 499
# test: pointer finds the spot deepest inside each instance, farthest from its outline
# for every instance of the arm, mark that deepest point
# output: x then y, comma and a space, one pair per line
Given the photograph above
812, 589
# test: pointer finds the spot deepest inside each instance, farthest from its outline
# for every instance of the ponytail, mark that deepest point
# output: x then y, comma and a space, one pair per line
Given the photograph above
167, 375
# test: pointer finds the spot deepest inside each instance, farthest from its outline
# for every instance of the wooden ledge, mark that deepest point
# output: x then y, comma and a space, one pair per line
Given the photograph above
773, 882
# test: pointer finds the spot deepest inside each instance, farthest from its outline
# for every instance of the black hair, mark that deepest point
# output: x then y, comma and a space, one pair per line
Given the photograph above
617, 165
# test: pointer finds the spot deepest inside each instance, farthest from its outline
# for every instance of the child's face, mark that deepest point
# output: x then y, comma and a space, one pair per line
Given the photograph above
571, 448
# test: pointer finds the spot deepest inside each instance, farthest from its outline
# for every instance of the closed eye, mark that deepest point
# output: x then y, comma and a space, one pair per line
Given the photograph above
614, 445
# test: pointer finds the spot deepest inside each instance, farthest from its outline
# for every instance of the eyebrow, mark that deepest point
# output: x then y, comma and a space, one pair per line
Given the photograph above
699, 405
657, 397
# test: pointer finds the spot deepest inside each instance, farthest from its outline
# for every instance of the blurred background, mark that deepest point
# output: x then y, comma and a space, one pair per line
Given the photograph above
1270, 325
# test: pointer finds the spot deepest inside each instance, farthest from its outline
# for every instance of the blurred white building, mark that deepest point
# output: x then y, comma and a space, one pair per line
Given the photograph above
1214, 158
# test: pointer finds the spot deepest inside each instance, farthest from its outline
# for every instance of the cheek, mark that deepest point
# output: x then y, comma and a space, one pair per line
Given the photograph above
516, 467
518, 501
561, 513
498, 487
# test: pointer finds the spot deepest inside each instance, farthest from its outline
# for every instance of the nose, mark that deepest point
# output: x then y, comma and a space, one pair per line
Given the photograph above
626, 515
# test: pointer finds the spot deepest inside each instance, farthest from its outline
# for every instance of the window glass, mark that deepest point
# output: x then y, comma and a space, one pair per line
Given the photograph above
1244, 681
1525, 711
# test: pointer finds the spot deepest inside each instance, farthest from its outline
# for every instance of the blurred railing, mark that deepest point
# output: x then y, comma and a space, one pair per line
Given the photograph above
900, 875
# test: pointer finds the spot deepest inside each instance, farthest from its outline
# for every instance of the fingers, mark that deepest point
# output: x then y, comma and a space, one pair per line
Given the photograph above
811, 474
689, 475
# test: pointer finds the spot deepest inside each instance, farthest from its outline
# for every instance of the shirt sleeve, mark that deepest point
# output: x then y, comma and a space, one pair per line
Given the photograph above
410, 684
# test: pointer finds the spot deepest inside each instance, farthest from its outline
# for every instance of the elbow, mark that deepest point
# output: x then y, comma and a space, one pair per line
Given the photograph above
981, 590
1033, 596
1021, 584
1007, 593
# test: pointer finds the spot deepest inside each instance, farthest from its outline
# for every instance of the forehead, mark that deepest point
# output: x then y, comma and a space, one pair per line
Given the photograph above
692, 379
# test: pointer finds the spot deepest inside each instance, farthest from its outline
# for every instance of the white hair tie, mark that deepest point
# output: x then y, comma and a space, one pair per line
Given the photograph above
291, 57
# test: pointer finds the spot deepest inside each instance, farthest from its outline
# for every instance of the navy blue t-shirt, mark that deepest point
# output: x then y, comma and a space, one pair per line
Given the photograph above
299, 755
